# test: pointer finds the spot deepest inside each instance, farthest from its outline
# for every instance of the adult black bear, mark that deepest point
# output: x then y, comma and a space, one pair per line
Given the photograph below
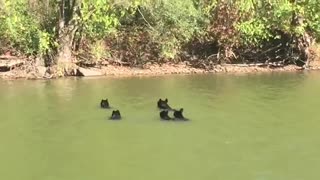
104, 103
163, 104
115, 115
164, 115
178, 115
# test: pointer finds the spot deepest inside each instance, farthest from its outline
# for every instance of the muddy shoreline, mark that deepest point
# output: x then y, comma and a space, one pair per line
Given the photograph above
40, 72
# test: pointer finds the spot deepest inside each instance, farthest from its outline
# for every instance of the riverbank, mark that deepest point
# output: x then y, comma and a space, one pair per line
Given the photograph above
29, 71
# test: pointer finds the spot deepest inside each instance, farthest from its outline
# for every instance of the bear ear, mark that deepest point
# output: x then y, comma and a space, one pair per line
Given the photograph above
181, 110
166, 100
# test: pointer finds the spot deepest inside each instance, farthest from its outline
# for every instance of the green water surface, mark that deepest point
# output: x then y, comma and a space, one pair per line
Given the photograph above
243, 127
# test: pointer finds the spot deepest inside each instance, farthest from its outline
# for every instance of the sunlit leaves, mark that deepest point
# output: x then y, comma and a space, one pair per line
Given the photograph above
18, 26
265, 17
97, 18
173, 23
254, 31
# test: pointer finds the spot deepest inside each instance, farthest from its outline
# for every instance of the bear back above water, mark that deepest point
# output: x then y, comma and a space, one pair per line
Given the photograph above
164, 115
163, 104
178, 115
104, 103
115, 115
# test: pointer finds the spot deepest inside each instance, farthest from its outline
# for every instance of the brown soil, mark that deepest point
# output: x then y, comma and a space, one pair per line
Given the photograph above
185, 69
32, 72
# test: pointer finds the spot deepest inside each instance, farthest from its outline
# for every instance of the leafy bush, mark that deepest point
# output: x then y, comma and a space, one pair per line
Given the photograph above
148, 30
18, 27
172, 23
97, 18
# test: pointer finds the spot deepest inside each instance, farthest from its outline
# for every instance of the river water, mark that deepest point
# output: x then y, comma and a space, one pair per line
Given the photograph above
242, 127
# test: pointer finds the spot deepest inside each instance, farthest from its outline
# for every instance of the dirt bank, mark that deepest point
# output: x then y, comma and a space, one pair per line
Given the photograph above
27, 71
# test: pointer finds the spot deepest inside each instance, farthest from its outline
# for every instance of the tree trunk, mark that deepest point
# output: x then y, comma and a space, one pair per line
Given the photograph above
65, 46
67, 28
302, 42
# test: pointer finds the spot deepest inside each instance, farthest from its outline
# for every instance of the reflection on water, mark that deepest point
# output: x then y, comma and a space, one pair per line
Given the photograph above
242, 127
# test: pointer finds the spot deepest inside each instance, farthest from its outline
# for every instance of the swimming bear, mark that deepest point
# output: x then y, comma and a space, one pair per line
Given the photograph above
163, 104
104, 103
115, 115
178, 115
164, 115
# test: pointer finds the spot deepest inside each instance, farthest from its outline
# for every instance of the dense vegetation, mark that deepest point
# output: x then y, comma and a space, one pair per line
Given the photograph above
203, 32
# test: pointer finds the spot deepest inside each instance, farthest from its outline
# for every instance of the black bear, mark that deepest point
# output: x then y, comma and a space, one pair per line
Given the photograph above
104, 103
178, 115
164, 115
163, 104
115, 115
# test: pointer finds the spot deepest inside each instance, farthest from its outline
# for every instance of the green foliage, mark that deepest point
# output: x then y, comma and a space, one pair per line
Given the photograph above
311, 11
254, 31
98, 18
207, 7
176, 18
282, 15
163, 27
46, 42
98, 51
172, 23
261, 19
18, 27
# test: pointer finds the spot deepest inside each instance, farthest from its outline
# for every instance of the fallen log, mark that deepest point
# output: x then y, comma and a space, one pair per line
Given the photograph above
7, 65
87, 72
8, 57
257, 65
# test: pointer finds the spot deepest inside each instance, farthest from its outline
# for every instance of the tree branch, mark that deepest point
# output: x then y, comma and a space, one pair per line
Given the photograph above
145, 19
